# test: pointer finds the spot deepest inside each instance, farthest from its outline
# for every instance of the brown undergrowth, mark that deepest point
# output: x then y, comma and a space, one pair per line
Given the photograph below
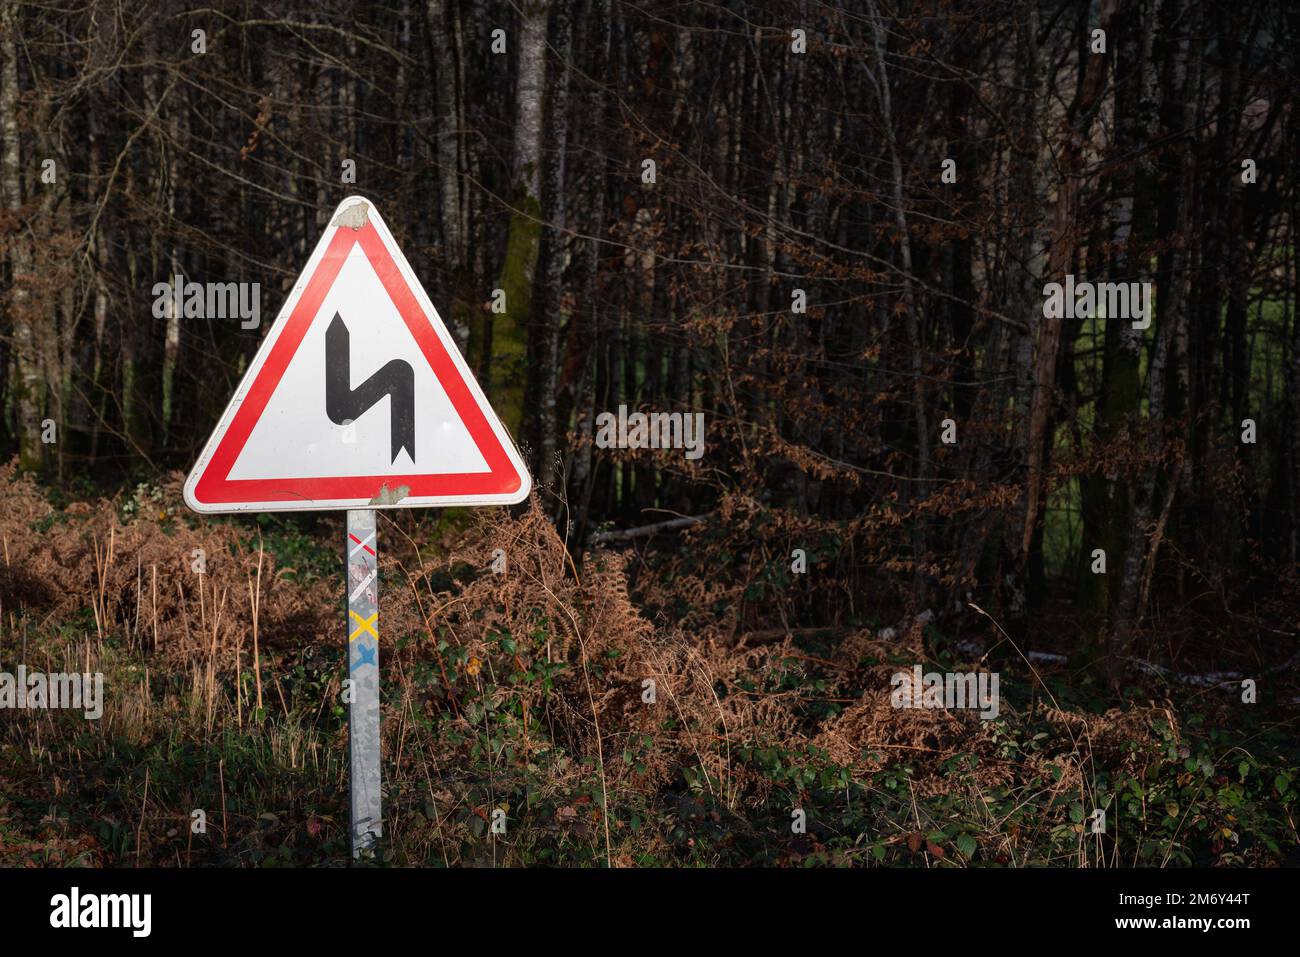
140, 581
549, 669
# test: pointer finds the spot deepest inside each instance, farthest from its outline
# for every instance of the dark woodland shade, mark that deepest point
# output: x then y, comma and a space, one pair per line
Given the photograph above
775, 171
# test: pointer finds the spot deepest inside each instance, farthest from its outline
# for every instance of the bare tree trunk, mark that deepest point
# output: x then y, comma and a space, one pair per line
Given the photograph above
1078, 130
27, 389
590, 341
1136, 105
517, 272
544, 325
1025, 180
911, 319
445, 60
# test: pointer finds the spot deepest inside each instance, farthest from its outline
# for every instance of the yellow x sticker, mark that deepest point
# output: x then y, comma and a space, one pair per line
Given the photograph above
366, 624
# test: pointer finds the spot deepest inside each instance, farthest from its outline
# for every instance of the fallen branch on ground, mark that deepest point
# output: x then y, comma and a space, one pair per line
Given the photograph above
645, 531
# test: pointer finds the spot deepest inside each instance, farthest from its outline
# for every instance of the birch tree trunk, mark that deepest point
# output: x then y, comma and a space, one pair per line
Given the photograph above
544, 324
27, 389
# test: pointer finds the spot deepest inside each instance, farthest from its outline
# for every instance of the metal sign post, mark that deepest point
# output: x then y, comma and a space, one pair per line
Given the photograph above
308, 429
363, 670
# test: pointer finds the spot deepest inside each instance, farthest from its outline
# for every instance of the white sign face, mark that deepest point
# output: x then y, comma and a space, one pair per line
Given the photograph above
358, 397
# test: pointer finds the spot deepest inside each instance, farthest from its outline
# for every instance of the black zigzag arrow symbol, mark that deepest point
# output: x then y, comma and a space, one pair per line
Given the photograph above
343, 403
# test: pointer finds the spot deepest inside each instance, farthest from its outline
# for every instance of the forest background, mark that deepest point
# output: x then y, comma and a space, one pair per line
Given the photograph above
829, 228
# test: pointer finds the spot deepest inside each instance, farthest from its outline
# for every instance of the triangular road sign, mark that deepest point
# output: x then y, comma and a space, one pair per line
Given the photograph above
358, 396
